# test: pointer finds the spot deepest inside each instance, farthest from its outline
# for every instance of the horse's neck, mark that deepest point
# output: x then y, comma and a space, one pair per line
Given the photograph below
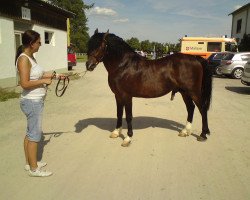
111, 67
112, 62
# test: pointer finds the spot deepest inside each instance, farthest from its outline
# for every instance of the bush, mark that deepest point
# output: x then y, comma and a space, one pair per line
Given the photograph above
245, 43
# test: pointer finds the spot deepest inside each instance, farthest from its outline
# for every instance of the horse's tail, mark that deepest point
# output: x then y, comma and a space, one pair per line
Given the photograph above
206, 88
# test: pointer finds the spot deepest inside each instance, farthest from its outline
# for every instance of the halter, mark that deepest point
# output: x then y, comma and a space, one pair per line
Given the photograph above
100, 60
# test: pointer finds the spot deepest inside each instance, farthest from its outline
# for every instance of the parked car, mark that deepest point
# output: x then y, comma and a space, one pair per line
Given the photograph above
71, 57
245, 79
232, 64
214, 61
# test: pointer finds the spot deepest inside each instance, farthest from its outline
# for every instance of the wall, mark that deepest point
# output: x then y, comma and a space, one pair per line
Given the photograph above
52, 56
248, 22
7, 48
242, 15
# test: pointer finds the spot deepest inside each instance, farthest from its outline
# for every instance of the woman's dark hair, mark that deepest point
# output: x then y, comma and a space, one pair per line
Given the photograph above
29, 37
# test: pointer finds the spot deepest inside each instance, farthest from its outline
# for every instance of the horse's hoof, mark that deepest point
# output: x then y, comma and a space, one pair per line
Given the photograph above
185, 133
181, 134
126, 142
201, 139
116, 133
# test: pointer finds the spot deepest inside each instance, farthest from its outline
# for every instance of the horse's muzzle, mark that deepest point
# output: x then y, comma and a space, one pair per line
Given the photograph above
90, 66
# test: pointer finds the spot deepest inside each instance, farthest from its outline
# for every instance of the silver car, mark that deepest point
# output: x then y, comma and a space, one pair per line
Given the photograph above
245, 79
233, 64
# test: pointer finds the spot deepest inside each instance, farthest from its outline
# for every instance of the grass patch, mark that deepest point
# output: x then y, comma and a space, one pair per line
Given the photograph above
81, 58
6, 94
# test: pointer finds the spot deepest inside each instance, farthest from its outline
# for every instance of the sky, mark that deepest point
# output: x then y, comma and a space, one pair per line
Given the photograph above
164, 21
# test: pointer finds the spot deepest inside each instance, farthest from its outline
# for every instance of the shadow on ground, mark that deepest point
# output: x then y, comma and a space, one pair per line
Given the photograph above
108, 124
44, 142
240, 90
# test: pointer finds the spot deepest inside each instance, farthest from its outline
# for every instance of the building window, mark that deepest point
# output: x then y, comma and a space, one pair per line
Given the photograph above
49, 38
238, 29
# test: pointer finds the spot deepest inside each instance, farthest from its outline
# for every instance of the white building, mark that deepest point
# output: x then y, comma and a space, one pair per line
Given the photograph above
50, 21
240, 22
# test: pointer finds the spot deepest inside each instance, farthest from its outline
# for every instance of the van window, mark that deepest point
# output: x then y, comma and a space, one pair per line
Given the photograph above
71, 50
230, 47
214, 46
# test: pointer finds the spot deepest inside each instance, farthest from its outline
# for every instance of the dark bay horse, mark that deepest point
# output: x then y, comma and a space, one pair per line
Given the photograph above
131, 75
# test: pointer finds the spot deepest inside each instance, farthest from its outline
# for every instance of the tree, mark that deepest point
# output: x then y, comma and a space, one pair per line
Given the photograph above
245, 43
78, 24
146, 46
134, 43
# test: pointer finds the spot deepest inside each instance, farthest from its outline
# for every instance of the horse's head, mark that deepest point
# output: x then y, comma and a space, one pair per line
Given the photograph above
96, 49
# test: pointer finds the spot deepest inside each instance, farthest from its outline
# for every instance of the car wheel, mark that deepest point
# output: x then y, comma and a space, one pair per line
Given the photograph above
217, 71
237, 73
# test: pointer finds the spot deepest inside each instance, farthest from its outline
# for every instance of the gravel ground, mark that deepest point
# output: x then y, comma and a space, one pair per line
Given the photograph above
158, 165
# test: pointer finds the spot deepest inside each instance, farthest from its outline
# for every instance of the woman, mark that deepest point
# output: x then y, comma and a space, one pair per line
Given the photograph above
33, 80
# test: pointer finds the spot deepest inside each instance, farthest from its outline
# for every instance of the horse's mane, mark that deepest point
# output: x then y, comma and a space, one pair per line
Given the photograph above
115, 44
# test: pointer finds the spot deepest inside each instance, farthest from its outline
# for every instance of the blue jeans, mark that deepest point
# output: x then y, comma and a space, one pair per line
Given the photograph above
33, 109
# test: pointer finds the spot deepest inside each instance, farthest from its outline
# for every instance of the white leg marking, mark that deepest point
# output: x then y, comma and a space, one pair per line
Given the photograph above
126, 141
187, 130
115, 133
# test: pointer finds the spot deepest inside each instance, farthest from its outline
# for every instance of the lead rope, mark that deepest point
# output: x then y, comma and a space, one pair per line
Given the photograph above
59, 91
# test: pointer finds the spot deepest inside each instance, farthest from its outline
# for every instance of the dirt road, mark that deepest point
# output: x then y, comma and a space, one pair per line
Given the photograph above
158, 165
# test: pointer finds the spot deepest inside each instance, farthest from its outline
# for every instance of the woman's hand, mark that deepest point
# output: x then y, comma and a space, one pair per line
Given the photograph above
47, 81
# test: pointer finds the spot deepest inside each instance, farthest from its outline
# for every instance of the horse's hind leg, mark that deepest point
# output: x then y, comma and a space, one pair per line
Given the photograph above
205, 129
128, 110
190, 109
118, 130
203, 111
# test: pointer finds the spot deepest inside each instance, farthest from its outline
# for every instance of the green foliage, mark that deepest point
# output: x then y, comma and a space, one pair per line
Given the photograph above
134, 43
6, 94
146, 46
78, 24
245, 43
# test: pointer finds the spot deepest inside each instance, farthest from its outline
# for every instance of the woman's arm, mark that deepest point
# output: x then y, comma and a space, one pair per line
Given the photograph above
53, 75
24, 66
48, 75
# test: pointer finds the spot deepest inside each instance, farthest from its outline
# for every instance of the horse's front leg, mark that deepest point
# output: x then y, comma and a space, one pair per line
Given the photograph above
119, 109
128, 110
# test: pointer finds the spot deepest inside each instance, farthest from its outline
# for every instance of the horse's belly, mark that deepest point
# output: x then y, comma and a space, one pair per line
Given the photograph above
149, 92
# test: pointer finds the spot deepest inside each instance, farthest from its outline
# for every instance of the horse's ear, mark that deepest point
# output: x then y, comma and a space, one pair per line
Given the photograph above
106, 34
96, 30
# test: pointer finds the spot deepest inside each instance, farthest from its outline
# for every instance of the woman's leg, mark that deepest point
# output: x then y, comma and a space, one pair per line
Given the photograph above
25, 145
32, 154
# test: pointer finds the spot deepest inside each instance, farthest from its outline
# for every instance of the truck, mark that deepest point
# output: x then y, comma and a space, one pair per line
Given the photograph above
71, 57
205, 46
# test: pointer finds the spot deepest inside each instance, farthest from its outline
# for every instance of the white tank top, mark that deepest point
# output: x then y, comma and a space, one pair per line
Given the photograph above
36, 73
